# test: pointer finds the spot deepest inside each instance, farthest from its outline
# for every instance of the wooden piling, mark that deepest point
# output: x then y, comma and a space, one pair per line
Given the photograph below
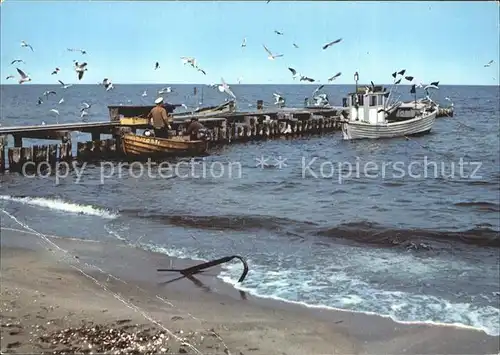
2, 156
65, 153
15, 159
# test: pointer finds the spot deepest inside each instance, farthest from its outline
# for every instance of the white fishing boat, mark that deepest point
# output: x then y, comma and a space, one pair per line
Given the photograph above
369, 117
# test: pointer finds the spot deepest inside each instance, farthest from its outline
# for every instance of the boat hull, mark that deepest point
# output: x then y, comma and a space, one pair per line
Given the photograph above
152, 147
414, 126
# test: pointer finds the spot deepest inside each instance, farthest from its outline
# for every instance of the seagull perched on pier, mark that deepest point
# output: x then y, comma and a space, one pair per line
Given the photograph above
80, 69
489, 63
77, 50
24, 78
157, 65
335, 76
24, 44
64, 86
56, 70
17, 61
271, 55
331, 43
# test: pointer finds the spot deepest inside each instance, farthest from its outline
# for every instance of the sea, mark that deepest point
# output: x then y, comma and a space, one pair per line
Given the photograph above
406, 228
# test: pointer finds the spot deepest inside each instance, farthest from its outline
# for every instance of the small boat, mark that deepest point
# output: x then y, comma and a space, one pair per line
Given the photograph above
153, 147
208, 111
370, 119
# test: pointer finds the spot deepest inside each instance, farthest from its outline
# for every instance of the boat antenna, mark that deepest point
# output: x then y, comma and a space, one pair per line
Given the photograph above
356, 79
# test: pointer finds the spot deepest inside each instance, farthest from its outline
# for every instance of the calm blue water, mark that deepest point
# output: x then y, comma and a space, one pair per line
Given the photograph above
341, 238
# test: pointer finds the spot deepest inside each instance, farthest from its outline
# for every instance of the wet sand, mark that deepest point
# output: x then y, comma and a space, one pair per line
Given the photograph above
45, 289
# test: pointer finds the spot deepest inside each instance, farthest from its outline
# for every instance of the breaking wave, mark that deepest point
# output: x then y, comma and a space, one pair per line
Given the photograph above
61, 205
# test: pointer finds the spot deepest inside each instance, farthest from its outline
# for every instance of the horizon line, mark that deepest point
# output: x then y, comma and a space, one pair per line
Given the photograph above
255, 84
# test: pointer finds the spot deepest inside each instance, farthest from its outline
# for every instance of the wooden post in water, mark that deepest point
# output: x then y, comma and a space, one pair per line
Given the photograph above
2, 154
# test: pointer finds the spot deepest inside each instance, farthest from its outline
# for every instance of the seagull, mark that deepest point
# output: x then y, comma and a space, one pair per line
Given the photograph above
56, 70
145, 93
489, 63
201, 70
47, 93
24, 44
409, 78
402, 72
80, 69
107, 84
61, 101
157, 65
434, 83
83, 113
85, 107
335, 76
10, 77
331, 43
225, 88
39, 101
279, 99
17, 61
397, 82
64, 86
77, 50
55, 111
189, 60
294, 72
24, 77
239, 80
271, 55
295, 45
305, 78
244, 43
318, 89
278, 33
164, 90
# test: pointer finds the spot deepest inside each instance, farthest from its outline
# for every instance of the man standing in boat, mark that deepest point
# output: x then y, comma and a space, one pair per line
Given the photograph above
193, 129
159, 119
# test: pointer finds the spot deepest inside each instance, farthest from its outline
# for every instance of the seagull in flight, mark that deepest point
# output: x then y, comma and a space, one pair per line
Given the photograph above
189, 60
24, 77
305, 78
278, 99
145, 93
331, 43
489, 63
201, 70
271, 55
10, 77
244, 43
295, 45
84, 109
17, 61
56, 70
80, 69
24, 44
164, 90
39, 101
47, 93
107, 84
294, 73
278, 33
77, 50
157, 65
335, 76
225, 88
318, 89
61, 101
64, 86
55, 111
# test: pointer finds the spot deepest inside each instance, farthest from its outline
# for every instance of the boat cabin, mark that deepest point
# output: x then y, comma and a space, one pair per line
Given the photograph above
365, 104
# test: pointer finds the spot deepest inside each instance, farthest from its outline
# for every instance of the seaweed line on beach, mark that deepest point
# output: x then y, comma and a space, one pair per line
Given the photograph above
116, 295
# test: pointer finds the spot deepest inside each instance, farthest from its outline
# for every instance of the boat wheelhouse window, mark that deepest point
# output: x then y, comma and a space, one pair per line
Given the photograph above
381, 100
361, 100
373, 100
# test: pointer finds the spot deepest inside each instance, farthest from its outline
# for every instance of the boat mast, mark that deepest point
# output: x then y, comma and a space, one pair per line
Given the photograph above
356, 79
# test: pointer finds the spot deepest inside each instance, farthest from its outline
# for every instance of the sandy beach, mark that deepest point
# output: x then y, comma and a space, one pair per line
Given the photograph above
55, 293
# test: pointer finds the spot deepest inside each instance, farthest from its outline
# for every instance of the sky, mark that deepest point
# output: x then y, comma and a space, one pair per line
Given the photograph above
446, 41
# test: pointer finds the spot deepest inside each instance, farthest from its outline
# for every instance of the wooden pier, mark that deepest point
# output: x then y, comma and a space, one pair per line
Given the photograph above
224, 128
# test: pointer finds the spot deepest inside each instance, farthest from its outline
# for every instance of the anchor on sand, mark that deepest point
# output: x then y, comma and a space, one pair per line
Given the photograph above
190, 271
